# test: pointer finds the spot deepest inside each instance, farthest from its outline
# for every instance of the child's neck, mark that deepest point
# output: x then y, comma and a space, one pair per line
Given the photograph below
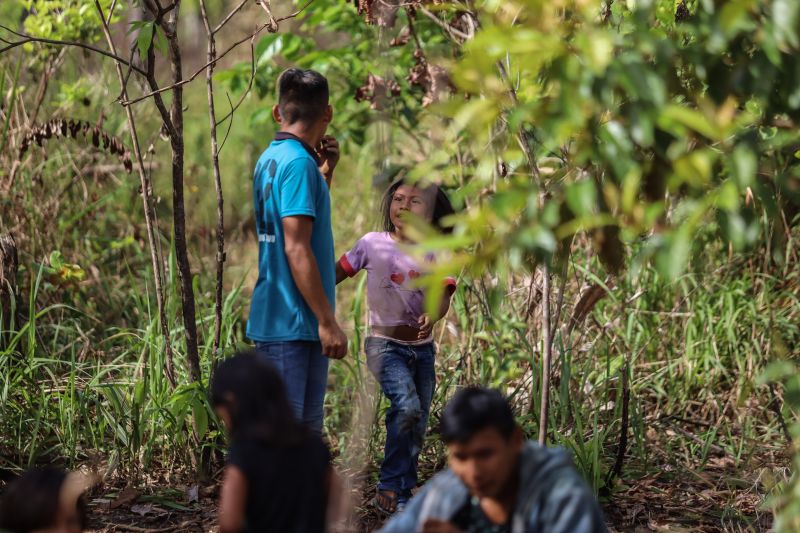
398, 236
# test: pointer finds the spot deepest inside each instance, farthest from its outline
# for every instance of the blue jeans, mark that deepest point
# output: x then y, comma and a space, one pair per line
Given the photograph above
305, 374
407, 376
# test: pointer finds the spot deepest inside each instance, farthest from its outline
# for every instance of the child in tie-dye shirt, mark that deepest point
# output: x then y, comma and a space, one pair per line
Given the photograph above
400, 348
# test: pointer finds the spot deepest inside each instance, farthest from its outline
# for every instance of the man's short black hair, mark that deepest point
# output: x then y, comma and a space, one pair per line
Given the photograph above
302, 96
474, 409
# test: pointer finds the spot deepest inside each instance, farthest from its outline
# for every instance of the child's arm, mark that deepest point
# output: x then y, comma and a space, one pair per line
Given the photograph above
426, 322
352, 261
444, 305
232, 500
341, 275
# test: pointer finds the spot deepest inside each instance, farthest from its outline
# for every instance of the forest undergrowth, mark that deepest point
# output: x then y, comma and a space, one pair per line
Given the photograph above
664, 385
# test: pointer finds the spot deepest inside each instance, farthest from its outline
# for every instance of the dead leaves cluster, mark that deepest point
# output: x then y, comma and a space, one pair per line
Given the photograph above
69, 128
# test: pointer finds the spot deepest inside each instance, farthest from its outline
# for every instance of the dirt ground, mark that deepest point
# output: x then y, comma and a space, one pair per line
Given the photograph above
666, 497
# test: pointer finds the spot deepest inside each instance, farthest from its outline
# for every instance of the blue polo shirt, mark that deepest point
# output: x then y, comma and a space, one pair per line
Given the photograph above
287, 182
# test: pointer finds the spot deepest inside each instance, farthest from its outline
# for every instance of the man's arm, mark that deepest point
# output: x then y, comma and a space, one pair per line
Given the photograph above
305, 271
571, 507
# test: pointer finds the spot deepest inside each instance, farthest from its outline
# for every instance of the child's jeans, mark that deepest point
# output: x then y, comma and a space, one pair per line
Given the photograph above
407, 377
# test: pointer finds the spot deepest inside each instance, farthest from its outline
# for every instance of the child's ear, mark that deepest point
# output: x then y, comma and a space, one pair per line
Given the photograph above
276, 113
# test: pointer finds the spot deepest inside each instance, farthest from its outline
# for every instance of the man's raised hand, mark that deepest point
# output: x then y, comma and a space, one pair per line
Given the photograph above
328, 150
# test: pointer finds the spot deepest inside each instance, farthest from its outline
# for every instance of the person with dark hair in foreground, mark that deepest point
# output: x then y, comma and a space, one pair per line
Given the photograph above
292, 317
44, 500
497, 482
278, 476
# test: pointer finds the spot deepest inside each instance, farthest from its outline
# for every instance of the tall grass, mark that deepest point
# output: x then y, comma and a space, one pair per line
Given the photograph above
66, 396
692, 349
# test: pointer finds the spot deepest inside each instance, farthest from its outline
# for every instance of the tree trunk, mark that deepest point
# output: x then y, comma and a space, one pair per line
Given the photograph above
178, 209
8, 284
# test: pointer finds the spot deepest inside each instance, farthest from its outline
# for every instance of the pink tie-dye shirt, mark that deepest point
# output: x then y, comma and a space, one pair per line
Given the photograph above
393, 297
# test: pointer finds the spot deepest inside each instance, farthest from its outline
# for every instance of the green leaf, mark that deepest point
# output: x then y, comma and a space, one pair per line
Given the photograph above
727, 196
268, 47
674, 116
144, 39
786, 17
56, 260
138, 392
582, 197
261, 117
673, 255
161, 41
744, 165
200, 417
537, 237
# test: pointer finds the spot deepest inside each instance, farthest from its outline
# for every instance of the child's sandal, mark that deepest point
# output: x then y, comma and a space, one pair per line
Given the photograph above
386, 501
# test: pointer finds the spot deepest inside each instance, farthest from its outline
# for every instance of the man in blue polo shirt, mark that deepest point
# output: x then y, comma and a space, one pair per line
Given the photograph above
292, 312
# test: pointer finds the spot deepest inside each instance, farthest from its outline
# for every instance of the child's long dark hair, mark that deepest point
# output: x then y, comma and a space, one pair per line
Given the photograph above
32, 501
441, 207
253, 393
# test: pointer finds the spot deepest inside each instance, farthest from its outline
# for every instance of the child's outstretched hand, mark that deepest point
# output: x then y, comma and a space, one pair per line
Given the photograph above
425, 327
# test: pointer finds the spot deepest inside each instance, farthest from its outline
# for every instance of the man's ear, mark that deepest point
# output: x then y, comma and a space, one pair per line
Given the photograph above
276, 114
328, 117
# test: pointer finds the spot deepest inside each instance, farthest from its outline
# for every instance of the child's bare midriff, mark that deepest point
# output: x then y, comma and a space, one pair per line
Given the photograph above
401, 333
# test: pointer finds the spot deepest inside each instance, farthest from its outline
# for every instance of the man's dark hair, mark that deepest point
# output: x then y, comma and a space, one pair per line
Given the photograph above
302, 96
31, 502
441, 207
254, 394
474, 409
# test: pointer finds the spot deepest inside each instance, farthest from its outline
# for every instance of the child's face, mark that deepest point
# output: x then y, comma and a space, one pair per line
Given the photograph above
407, 199
225, 416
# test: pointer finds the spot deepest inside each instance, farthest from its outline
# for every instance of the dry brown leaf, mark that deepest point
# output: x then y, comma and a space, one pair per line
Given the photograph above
432, 78
127, 496
379, 12
377, 91
585, 304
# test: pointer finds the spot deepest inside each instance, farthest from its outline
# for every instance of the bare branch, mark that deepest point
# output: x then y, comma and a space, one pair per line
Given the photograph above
249, 84
55, 42
212, 117
230, 124
229, 17
219, 57
444, 25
